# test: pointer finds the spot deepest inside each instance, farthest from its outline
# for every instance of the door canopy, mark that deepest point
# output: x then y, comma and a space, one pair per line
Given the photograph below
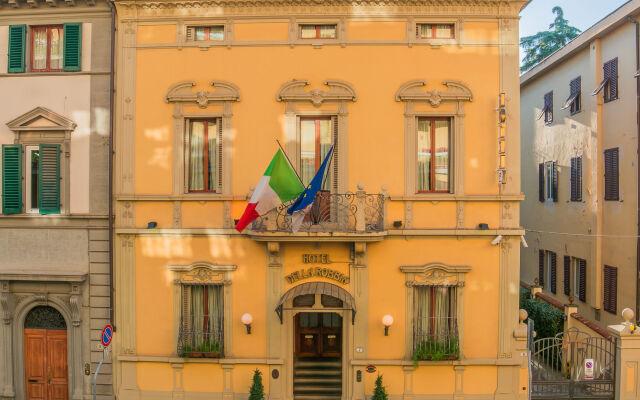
319, 288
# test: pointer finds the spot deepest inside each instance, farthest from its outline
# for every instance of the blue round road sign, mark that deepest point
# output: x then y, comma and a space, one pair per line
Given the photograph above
107, 334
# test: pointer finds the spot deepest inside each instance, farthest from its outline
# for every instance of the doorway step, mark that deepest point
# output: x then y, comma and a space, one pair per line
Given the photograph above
317, 378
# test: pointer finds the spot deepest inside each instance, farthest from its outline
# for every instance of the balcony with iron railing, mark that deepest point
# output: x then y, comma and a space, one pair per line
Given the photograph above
331, 214
438, 341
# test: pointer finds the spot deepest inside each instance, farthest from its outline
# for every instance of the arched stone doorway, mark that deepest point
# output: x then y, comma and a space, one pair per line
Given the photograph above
45, 354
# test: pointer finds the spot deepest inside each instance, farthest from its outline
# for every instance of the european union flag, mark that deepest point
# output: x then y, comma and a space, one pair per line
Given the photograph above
302, 205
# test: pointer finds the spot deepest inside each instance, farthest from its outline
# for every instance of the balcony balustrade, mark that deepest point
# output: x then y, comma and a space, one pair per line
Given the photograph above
358, 212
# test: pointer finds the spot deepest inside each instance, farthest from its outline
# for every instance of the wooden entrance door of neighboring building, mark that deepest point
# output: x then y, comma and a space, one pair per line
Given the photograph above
318, 334
45, 355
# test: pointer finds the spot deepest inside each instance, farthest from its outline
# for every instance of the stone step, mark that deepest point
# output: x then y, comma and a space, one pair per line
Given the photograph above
316, 397
318, 380
319, 372
310, 389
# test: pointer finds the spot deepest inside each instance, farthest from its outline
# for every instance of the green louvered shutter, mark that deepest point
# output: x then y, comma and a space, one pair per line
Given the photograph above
17, 39
11, 179
72, 46
49, 179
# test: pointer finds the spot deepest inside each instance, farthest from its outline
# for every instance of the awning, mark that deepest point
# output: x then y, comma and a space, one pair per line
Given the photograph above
319, 288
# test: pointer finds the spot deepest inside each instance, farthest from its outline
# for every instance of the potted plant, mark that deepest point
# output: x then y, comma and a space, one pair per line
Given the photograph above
209, 349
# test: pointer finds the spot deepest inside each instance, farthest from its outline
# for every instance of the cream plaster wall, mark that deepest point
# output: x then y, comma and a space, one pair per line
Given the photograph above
4, 45
574, 135
68, 95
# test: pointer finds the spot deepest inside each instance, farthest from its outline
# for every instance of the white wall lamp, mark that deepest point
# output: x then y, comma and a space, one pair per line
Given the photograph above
247, 319
496, 241
387, 321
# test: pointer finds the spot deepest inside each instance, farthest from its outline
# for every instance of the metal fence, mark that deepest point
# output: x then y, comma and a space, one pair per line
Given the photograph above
558, 367
330, 212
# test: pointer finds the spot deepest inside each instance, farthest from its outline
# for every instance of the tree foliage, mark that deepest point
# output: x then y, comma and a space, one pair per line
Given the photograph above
256, 392
541, 45
380, 392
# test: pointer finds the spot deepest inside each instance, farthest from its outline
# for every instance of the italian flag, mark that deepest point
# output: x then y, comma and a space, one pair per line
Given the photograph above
278, 185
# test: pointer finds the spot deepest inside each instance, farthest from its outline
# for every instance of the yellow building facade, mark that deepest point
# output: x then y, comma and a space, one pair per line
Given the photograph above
408, 264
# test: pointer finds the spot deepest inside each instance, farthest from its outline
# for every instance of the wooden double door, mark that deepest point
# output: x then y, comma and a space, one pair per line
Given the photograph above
318, 334
45, 362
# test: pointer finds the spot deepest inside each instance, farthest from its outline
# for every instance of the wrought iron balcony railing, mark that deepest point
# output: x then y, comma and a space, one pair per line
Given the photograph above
358, 212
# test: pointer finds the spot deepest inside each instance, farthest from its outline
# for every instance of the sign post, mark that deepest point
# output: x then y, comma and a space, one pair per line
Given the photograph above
105, 338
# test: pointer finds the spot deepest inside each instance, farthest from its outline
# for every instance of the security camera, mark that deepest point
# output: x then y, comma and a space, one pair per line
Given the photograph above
497, 240
524, 242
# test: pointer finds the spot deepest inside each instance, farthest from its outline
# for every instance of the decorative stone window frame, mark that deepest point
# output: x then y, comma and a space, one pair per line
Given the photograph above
185, 26
338, 96
434, 274
412, 94
204, 273
294, 31
55, 129
458, 29
181, 93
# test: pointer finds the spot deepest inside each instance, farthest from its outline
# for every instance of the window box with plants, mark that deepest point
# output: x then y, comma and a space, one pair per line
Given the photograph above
436, 350
203, 350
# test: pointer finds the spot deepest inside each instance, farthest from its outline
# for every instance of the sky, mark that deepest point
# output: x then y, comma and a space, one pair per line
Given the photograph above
580, 13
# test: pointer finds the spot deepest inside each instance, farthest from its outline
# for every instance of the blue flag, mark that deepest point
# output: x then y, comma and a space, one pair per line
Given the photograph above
302, 205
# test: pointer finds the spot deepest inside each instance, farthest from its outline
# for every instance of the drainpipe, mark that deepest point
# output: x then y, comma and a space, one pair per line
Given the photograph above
633, 21
110, 164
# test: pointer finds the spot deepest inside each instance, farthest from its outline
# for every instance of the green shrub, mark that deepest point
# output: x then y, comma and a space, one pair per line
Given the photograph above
256, 391
547, 320
380, 392
213, 347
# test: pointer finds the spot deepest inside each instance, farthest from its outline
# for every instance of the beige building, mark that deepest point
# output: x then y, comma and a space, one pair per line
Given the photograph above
55, 77
580, 169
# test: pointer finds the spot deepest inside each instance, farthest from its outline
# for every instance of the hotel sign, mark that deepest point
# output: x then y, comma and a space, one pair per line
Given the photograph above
317, 272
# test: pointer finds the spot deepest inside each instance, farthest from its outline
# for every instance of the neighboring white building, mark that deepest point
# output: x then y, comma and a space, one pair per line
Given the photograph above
55, 74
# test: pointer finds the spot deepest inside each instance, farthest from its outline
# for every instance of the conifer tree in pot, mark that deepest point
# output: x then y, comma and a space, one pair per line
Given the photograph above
379, 393
256, 392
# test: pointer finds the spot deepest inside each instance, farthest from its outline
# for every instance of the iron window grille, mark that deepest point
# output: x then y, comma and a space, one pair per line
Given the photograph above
435, 323
201, 332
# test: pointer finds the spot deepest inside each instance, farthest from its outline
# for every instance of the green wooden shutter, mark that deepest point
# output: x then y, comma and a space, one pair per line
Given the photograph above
49, 179
72, 46
17, 39
553, 273
11, 179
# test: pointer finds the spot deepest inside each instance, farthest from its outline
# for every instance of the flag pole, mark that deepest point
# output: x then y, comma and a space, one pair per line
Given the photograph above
290, 163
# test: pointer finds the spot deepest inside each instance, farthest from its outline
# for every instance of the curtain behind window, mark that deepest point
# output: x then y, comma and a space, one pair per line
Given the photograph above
39, 48
206, 318
434, 313
56, 48
424, 155
196, 156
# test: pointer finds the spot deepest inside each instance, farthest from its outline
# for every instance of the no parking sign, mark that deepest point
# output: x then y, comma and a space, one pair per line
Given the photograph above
588, 368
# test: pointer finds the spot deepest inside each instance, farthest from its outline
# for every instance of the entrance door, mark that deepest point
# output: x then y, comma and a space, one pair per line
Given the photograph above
318, 334
45, 355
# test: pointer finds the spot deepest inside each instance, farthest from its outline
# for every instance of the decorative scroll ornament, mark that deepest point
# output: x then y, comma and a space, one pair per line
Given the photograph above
5, 299
202, 274
76, 305
413, 91
338, 91
181, 92
435, 275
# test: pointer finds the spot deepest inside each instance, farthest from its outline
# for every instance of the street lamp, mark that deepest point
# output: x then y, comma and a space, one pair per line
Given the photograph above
387, 321
247, 319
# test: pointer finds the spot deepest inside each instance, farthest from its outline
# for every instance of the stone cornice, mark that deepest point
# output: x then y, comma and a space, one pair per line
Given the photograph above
49, 4
501, 8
